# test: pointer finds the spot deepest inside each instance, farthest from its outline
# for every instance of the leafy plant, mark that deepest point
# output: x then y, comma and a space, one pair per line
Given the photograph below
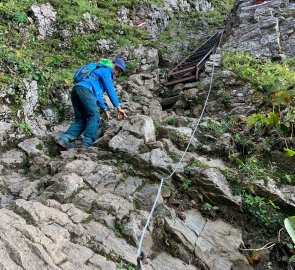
20, 17
207, 207
25, 128
289, 152
186, 184
264, 213
289, 223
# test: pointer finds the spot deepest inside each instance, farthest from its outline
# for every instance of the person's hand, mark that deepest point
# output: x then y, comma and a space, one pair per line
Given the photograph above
121, 113
108, 117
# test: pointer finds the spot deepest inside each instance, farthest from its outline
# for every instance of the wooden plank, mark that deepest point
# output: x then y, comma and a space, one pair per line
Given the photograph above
180, 80
167, 102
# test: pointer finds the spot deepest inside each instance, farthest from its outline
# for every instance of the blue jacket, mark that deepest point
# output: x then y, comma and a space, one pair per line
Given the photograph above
100, 81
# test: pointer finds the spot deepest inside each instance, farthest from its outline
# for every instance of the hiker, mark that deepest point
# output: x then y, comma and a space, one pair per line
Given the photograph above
86, 95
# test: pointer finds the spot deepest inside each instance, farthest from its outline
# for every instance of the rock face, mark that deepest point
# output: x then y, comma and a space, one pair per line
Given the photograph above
206, 240
263, 30
45, 17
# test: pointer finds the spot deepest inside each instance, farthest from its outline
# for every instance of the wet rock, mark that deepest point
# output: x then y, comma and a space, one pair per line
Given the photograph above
44, 15
32, 146
146, 196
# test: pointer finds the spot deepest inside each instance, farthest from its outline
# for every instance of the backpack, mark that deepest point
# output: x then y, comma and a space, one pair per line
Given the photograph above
84, 71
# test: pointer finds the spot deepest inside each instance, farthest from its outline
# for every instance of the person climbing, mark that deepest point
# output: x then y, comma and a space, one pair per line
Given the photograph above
86, 95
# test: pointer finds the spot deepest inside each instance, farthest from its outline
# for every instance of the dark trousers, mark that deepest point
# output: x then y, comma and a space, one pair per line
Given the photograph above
86, 115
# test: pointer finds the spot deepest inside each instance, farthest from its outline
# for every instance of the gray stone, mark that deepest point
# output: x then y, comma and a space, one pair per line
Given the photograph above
45, 17
81, 167
113, 204
165, 261
32, 146
133, 228
125, 142
146, 196
213, 184
65, 186
142, 127
217, 246
101, 263
105, 241
104, 180
5, 128
12, 158
128, 187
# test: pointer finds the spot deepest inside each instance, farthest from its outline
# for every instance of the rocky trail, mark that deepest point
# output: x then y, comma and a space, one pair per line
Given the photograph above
86, 208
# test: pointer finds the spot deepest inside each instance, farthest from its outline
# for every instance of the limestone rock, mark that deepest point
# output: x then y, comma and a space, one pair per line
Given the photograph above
213, 184
127, 188
113, 204
104, 180
146, 196
5, 128
32, 146
133, 228
12, 158
45, 17
214, 243
81, 167
65, 186
125, 142
165, 261
105, 240
142, 127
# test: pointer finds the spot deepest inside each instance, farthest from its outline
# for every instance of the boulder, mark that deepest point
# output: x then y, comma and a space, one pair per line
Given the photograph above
145, 198
32, 146
113, 205
5, 128
64, 187
12, 158
44, 15
104, 180
125, 142
214, 243
142, 127
214, 186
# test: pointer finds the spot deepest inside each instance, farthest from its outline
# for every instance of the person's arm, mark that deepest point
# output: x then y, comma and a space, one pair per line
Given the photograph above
106, 79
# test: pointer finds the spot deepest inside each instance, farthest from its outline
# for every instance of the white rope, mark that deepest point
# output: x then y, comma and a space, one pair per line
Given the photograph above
139, 250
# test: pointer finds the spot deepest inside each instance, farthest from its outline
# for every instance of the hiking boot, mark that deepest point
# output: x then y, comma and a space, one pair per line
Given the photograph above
86, 145
65, 142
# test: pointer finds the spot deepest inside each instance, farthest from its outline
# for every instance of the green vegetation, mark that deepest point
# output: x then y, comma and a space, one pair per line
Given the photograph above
265, 214
266, 77
186, 184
